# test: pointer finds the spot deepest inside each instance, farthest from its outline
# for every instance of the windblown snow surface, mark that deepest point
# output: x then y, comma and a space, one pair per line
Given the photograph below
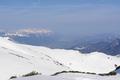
72, 76
18, 59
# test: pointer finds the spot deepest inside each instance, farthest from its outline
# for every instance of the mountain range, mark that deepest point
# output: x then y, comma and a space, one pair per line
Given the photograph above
109, 44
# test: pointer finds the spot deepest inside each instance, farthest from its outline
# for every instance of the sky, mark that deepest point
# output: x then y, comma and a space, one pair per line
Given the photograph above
68, 17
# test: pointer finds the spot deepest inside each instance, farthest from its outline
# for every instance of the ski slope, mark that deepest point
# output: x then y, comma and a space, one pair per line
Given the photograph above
18, 59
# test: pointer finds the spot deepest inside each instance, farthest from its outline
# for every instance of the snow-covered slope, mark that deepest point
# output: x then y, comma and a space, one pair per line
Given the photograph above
16, 59
70, 76
19, 59
43, 77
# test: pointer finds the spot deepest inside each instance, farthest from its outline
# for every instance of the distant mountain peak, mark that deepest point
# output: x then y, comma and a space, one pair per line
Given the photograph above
34, 31
29, 31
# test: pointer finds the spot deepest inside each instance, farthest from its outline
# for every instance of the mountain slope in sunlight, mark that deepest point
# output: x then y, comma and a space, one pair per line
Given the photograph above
18, 59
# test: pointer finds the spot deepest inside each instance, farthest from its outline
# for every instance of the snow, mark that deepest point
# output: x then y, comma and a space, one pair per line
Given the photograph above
94, 62
42, 78
70, 77
78, 76
18, 59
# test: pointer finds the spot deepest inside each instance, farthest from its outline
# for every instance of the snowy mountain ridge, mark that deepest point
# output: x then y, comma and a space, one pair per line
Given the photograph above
23, 59
27, 32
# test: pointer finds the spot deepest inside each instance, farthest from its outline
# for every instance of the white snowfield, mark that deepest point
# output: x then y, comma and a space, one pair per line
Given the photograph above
18, 59
70, 76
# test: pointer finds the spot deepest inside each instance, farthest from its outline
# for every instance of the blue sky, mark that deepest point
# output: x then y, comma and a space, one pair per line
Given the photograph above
55, 2
78, 17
